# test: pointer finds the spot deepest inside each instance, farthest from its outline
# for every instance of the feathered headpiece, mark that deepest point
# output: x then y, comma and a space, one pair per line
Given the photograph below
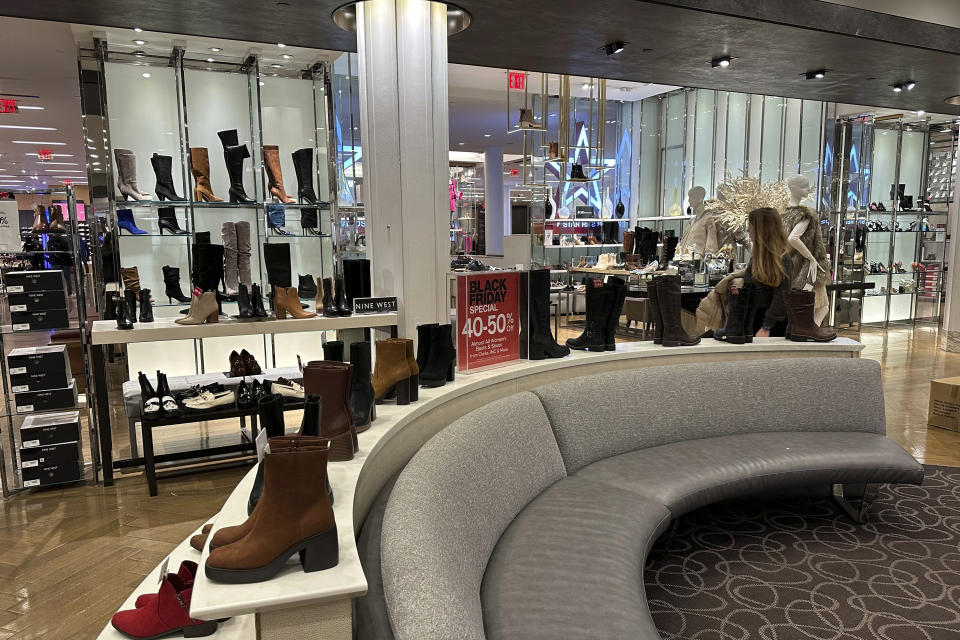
737, 197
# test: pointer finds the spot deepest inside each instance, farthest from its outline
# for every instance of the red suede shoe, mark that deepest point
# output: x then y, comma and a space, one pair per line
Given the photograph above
167, 615
187, 573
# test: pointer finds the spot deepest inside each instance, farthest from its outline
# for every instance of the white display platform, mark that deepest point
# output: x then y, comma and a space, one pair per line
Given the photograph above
399, 430
106, 332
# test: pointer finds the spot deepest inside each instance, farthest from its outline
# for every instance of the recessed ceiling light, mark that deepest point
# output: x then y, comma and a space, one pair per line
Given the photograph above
910, 85
45, 162
281, 45
487, 135
586, 86
138, 29
897, 88
56, 144
146, 75
261, 83
276, 66
921, 112
21, 126
24, 106
613, 48
723, 61
816, 75
287, 56
209, 59
139, 42
216, 49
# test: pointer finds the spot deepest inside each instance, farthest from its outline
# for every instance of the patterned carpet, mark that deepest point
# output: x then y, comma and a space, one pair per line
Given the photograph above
801, 570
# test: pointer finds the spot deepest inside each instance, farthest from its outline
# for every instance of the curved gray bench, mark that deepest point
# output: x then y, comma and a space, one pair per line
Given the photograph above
532, 517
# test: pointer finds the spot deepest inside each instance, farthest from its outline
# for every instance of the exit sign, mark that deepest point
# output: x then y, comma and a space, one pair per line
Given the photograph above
44, 154
67, 181
8, 105
517, 80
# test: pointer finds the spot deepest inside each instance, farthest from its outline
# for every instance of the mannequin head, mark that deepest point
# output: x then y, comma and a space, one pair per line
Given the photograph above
696, 195
799, 187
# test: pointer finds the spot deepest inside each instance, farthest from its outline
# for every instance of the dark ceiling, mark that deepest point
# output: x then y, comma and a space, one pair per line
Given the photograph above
773, 41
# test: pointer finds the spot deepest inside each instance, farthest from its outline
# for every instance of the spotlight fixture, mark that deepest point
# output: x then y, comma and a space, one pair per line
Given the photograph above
897, 88
815, 75
281, 45
209, 59
286, 56
139, 42
276, 66
910, 85
613, 48
723, 61
458, 19
145, 75
138, 29
216, 49
955, 100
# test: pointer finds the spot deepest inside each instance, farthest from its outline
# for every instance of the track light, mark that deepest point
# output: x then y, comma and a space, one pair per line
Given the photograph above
815, 75
723, 61
897, 88
613, 48
910, 85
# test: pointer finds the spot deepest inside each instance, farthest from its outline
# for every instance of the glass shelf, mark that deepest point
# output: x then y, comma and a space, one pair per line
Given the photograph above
128, 204
228, 205
298, 235
154, 235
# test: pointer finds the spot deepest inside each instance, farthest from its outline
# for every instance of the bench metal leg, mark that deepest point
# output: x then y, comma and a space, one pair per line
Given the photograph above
149, 465
857, 507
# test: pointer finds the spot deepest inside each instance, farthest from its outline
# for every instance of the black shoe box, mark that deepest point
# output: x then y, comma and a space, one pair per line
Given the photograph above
38, 300
51, 360
50, 428
40, 476
30, 401
24, 281
49, 455
34, 320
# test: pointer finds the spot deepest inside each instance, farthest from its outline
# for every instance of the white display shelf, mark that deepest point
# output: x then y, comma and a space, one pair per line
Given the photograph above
294, 588
106, 332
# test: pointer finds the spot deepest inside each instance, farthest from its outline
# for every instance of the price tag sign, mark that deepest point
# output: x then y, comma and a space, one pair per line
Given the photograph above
488, 319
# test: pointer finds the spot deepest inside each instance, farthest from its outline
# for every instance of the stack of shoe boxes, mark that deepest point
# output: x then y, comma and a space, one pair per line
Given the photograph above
38, 300
41, 381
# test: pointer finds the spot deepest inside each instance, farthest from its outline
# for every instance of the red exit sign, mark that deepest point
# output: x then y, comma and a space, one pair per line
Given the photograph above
517, 80
44, 154
8, 105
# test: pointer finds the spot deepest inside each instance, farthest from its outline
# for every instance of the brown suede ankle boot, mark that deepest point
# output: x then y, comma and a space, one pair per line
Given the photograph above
331, 380
391, 371
292, 516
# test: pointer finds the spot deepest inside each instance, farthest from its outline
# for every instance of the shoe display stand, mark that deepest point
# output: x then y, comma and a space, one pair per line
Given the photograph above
318, 604
885, 237
104, 333
38, 413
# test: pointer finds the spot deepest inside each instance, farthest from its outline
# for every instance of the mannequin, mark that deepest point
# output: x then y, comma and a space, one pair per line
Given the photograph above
810, 263
701, 235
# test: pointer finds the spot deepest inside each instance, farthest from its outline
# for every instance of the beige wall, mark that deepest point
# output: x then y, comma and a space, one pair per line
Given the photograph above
29, 200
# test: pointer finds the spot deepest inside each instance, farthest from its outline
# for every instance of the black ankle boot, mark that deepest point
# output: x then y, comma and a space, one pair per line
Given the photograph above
303, 165
312, 410
120, 312
146, 308
361, 389
256, 301
333, 350
130, 298
167, 221
244, 305
149, 399
541, 343
169, 409
307, 287
738, 307
599, 304
340, 300
270, 414
329, 308
441, 362
423, 344
163, 168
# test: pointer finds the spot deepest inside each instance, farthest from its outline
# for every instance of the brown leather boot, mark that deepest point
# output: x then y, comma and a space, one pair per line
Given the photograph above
291, 516
131, 278
668, 301
271, 157
803, 328
391, 372
628, 242
200, 168
414, 369
331, 381
287, 300
200, 539
229, 535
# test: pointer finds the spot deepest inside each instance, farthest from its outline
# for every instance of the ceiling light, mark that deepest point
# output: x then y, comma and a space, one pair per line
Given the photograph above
23, 106
138, 29
287, 56
67, 164
723, 61
20, 126
910, 85
815, 75
276, 66
209, 59
950, 100
216, 49
261, 84
897, 88
586, 86
920, 113
487, 135
63, 170
53, 155
56, 144
145, 75
461, 143
613, 48
139, 42
281, 45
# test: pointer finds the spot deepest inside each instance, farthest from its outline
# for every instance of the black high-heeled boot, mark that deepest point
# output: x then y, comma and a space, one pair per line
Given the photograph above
120, 312
303, 164
234, 154
361, 389
171, 285
244, 305
149, 399
330, 309
441, 364
333, 350
340, 300
256, 300
163, 168
167, 221
130, 299
146, 308
169, 408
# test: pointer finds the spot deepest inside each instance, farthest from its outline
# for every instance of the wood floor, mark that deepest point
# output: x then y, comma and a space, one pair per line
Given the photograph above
69, 557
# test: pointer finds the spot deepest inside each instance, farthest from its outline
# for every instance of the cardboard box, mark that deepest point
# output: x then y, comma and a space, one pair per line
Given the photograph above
30, 401
24, 281
45, 360
49, 455
41, 476
36, 320
50, 428
38, 300
944, 409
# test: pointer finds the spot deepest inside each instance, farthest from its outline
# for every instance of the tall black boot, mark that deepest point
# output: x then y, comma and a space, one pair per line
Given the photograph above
668, 295
234, 156
361, 388
146, 308
171, 285
303, 165
130, 301
333, 350
423, 344
120, 313
599, 303
618, 288
208, 262
442, 360
669, 248
276, 256
541, 342
340, 300
312, 410
163, 168
738, 308
653, 300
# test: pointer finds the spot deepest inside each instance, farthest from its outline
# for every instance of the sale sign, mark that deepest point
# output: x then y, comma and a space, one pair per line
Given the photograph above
488, 319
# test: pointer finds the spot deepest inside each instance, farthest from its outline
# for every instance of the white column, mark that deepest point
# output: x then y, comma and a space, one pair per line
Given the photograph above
950, 339
402, 50
493, 200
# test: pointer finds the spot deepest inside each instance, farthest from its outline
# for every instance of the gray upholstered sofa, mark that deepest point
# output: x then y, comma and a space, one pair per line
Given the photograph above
532, 517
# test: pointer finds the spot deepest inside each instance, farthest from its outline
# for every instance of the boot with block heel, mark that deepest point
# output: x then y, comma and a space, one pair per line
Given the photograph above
541, 343
331, 381
286, 301
291, 517
203, 309
803, 326
391, 373
166, 614
361, 390
441, 362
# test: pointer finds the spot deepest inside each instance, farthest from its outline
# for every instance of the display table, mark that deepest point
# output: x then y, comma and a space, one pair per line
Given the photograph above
105, 332
296, 604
